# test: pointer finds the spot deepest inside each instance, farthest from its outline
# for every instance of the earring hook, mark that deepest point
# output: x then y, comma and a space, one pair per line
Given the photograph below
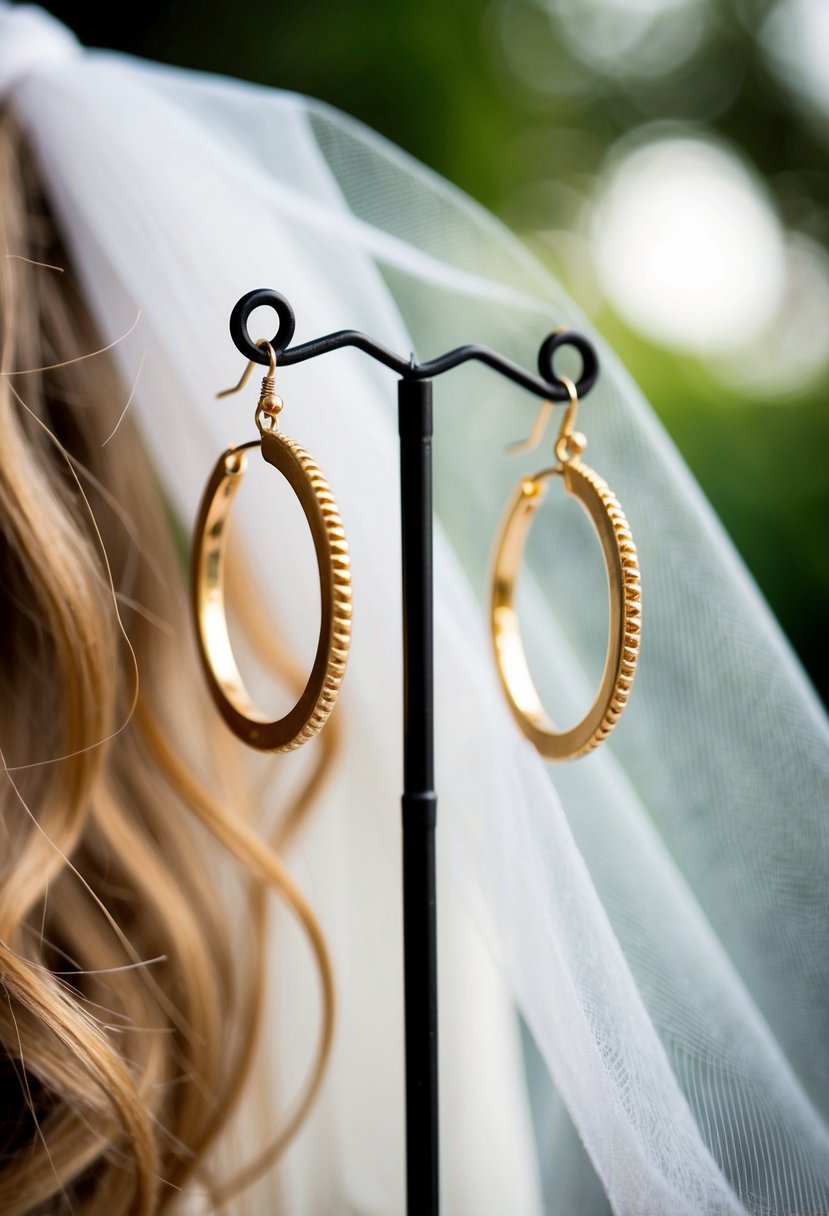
262, 344
270, 403
568, 440
535, 436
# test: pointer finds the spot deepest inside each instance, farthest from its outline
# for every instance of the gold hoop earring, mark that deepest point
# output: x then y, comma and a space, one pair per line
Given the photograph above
622, 567
224, 680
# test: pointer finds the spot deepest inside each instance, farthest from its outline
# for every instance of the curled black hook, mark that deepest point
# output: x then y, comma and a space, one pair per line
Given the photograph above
239, 324
589, 360
549, 385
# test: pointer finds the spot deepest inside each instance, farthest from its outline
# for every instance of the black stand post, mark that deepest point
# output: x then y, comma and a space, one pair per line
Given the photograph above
419, 798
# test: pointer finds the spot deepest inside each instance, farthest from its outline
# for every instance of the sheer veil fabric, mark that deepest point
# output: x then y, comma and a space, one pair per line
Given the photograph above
634, 976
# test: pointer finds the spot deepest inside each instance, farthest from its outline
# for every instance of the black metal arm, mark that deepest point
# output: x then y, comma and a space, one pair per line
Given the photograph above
546, 385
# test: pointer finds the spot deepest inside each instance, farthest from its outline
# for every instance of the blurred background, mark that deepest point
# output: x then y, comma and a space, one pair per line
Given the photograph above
667, 159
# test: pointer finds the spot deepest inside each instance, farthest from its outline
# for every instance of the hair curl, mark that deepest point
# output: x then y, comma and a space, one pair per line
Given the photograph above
131, 997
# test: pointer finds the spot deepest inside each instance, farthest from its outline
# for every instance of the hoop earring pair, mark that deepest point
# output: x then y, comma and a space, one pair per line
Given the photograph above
224, 680
319, 696
622, 566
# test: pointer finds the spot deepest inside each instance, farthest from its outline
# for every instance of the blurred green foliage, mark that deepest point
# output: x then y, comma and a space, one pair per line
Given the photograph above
495, 97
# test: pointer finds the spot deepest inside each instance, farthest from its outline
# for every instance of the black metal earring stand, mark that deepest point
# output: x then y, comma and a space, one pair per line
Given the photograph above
414, 396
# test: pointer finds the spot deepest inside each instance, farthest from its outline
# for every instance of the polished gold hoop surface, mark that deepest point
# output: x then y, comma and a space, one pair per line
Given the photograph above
622, 567
224, 680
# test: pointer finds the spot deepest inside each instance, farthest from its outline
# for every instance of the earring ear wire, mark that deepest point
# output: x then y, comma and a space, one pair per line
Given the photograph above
269, 403
542, 418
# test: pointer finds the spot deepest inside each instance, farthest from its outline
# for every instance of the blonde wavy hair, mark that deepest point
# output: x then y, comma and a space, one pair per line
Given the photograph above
131, 996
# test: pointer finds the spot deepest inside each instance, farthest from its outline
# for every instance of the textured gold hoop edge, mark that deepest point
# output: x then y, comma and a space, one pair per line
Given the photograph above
340, 570
624, 629
631, 604
316, 702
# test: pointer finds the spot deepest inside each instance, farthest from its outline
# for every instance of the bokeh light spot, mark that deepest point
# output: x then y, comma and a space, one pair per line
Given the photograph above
631, 37
795, 38
687, 247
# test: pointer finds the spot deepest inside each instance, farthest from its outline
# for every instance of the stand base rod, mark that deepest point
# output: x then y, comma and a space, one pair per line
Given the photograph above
419, 801
420, 947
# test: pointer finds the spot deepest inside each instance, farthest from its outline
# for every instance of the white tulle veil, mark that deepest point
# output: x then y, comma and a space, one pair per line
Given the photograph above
634, 947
